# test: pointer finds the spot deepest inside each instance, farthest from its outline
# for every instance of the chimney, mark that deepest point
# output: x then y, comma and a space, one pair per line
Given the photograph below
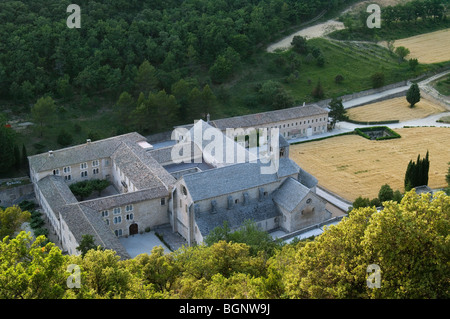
88, 141
207, 118
50, 153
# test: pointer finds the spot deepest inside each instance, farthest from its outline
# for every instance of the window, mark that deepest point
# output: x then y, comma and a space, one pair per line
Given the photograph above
107, 221
129, 216
163, 201
56, 172
66, 169
118, 232
116, 210
68, 177
117, 219
84, 174
105, 213
236, 201
95, 163
129, 208
95, 171
83, 165
308, 201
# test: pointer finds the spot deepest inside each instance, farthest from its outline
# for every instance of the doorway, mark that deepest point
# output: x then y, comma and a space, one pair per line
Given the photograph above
134, 229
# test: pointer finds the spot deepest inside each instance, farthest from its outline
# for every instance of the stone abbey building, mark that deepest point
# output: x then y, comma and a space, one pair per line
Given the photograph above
194, 193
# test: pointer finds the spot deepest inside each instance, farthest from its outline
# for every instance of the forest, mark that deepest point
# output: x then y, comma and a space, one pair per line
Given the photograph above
40, 55
407, 240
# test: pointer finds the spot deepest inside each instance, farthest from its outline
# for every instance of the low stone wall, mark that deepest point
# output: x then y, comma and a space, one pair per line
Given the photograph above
13, 196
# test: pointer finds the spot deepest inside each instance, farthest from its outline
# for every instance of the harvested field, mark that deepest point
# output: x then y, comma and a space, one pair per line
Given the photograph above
394, 109
353, 166
431, 47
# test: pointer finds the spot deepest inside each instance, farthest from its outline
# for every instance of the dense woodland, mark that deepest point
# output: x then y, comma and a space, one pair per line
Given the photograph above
407, 240
40, 54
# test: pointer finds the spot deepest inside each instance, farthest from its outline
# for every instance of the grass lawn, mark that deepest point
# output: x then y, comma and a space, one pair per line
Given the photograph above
443, 86
394, 109
354, 61
351, 165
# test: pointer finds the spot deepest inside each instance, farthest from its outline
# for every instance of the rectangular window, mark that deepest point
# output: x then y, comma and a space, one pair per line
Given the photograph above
163, 201
84, 174
118, 232
95, 163
66, 169
68, 177
83, 165
129, 208
95, 171
105, 213
116, 211
130, 216
117, 219
56, 172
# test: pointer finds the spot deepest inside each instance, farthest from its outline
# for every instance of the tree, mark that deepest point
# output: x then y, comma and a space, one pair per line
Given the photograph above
413, 63
406, 240
7, 145
43, 111
123, 108
299, 44
386, 193
146, 79
317, 92
64, 138
11, 219
86, 244
30, 269
402, 52
413, 95
377, 80
417, 173
337, 111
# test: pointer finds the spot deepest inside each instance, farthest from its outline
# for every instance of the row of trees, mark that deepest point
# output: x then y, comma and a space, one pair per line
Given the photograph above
407, 240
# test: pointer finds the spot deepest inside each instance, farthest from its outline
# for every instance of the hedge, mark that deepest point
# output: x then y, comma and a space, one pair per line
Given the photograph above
377, 128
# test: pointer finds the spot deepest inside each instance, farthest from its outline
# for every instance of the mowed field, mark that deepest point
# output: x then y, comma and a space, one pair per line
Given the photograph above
431, 47
353, 166
394, 109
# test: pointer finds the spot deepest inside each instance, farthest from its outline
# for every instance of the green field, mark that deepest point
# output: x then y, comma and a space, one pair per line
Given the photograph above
443, 86
355, 62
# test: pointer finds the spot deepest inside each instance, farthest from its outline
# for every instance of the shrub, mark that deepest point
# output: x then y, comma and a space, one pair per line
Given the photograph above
338, 79
377, 80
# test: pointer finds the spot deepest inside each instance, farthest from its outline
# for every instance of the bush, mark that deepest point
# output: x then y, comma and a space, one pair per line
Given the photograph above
338, 79
64, 138
40, 231
377, 80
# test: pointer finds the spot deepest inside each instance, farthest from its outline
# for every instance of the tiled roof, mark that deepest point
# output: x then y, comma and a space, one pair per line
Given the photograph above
82, 220
261, 119
81, 153
255, 211
141, 168
56, 192
290, 194
235, 178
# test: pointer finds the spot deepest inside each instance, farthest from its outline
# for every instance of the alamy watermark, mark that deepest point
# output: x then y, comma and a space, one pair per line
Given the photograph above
236, 146
374, 279
374, 20
74, 20
74, 280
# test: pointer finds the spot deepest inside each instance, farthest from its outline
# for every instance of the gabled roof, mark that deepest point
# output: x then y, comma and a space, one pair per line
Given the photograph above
82, 220
81, 153
255, 211
290, 194
235, 178
142, 169
56, 192
261, 119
